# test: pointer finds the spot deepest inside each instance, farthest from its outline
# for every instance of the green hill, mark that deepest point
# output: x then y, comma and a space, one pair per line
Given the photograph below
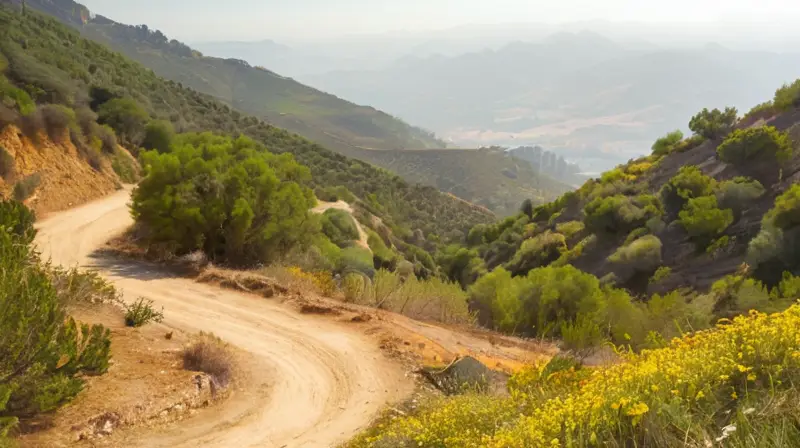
485, 177
54, 64
321, 117
335, 123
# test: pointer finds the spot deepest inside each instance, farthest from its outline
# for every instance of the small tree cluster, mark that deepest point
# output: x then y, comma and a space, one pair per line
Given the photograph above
689, 183
620, 214
714, 124
667, 143
744, 146
229, 198
704, 220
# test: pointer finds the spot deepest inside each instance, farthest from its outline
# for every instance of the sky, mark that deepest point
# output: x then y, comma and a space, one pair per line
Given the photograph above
208, 20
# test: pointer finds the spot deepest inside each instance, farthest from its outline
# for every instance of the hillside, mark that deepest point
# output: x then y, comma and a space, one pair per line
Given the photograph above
59, 66
581, 95
484, 177
318, 116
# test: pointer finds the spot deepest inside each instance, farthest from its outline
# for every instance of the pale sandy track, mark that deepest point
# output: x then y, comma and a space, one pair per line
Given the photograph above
311, 382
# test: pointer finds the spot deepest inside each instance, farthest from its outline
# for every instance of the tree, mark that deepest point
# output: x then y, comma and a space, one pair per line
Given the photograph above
527, 208
126, 117
229, 198
715, 123
158, 135
744, 146
703, 219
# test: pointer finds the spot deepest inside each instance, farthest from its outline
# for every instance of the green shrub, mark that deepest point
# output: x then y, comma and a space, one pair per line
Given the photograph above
582, 336
382, 256
126, 117
339, 226
570, 229
576, 251
635, 235
44, 354
788, 96
735, 295
786, 212
15, 98
229, 198
539, 303
108, 139
744, 146
460, 264
158, 135
667, 143
537, 251
689, 183
124, 166
739, 193
618, 214
356, 259
76, 287
660, 274
27, 186
704, 220
141, 312
763, 110
643, 254
57, 120
713, 124
7, 167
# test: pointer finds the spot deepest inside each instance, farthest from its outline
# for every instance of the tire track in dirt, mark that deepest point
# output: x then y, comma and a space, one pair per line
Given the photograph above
309, 382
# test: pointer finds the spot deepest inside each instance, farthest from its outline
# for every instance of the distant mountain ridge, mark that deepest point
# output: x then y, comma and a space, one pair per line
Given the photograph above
585, 96
325, 118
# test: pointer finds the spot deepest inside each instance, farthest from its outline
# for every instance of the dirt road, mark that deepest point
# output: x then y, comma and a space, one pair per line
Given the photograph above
310, 382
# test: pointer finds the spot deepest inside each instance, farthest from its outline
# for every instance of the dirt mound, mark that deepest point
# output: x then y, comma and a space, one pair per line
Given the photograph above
66, 178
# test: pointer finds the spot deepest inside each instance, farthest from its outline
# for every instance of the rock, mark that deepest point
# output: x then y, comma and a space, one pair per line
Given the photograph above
463, 374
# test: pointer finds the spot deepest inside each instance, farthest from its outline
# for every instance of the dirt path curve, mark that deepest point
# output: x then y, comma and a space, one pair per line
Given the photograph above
322, 207
311, 382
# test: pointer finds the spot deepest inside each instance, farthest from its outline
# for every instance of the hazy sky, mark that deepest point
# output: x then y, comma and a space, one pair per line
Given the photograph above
195, 20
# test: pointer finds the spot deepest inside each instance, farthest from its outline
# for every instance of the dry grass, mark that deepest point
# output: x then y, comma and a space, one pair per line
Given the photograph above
211, 355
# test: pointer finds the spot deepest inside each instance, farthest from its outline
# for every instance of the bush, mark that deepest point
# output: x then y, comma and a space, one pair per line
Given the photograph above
760, 111
618, 214
696, 389
739, 193
356, 260
661, 273
461, 265
126, 117
57, 120
339, 226
537, 251
667, 143
570, 229
125, 168
643, 254
27, 186
744, 146
44, 354
108, 139
209, 354
141, 312
76, 287
713, 124
786, 212
689, 183
158, 135
229, 198
539, 303
704, 220
788, 96
7, 166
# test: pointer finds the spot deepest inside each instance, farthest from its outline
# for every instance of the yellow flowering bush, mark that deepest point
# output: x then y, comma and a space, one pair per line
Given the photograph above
322, 280
691, 393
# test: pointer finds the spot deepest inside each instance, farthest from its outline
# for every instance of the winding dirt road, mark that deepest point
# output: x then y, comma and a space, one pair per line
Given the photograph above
310, 382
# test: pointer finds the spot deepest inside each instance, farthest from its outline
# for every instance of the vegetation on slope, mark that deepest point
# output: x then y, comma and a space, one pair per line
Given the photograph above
484, 177
44, 354
321, 117
52, 63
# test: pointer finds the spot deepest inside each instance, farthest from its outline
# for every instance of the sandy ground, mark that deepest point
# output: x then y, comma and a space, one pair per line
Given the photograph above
312, 381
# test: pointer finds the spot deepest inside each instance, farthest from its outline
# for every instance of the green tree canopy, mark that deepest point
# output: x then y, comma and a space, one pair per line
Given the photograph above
713, 124
126, 117
158, 135
230, 198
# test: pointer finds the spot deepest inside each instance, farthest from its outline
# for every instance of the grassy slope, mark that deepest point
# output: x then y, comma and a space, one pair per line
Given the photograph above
59, 60
690, 267
338, 124
322, 117
486, 178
